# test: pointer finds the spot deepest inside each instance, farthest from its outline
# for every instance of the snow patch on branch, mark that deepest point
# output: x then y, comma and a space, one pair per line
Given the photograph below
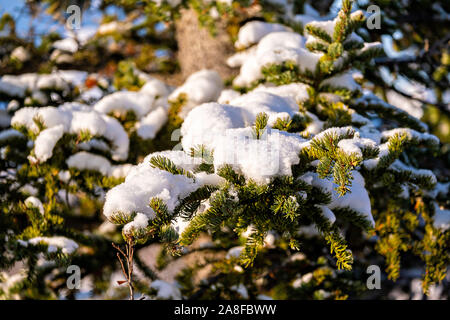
73, 119
143, 183
67, 246
33, 202
252, 32
356, 199
200, 87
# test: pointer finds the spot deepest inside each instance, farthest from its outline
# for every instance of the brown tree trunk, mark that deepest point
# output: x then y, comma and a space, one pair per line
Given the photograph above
197, 49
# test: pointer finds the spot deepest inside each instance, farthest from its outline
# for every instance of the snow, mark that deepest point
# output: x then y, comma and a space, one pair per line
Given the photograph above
240, 57
355, 146
37, 97
234, 252
12, 88
67, 246
121, 170
149, 126
92, 95
49, 116
179, 158
328, 214
9, 281
67, 44
296, 91
274, 48
64, 176
343, 80
412, 135
259, 160
413, 107
241, 290
140, 222
227, 95
51, 82
405, 191
124, 101
271, 237
368, 98
273, 105
253, 31
328, 26
356, 198
180, 224
439, 189
155, 88
391, 52
107, 227
94, 144
276, 45
371, 164
207, 121
200, 87
279, 40
224, 129
263, 297
60, 57
221, 129
315, 126
21, 54
33, 202
87, 161
441, 218
114, 27
46, 141
166, 290
305, 59
336, 132
13, 105
75, 77
212, 180
359, 119
115, 133
73, 118
10, 134
400, 166
149, 104
306, 278
143, 183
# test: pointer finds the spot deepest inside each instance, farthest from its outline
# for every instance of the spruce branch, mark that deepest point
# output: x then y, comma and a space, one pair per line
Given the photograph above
166, 164
126, 263
342, 26
338, 246
260, 125
319, 33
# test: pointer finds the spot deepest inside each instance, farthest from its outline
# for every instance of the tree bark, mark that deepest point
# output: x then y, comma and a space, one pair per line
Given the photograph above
198, 50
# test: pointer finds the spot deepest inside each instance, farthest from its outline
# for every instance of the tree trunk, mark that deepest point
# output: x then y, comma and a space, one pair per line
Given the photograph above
198, 50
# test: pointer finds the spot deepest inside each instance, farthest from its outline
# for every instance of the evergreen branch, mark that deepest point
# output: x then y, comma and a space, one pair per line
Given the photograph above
338, 246
211, 219
354, 217
318, 33
260, 125
230, 175
254, 242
